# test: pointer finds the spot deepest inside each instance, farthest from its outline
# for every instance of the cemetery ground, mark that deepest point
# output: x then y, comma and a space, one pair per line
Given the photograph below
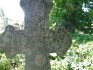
78, 57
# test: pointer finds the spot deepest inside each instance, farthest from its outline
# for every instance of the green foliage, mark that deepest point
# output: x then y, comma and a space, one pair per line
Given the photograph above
81, 38
4, 62
71, 14
78, 57
15, 63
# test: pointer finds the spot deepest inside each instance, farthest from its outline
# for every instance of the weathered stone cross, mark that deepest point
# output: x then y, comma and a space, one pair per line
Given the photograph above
36, 41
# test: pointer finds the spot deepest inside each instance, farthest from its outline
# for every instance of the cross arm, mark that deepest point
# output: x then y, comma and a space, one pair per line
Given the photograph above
11, 41
60, 41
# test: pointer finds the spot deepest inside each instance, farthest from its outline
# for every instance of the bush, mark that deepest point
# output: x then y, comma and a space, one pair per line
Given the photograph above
4, 62
78, 57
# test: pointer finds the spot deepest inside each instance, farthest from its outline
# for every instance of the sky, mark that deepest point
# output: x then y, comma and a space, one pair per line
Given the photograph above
12, 9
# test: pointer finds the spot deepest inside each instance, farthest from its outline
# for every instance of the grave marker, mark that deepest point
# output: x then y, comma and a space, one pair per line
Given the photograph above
36, 41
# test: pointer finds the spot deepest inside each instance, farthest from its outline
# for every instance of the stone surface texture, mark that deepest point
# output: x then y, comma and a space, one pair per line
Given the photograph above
36, 41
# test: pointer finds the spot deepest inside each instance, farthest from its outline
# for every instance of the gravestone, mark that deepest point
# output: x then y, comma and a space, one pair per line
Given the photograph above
36, 41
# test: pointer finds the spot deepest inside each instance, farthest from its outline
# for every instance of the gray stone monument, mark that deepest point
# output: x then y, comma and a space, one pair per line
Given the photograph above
36, 41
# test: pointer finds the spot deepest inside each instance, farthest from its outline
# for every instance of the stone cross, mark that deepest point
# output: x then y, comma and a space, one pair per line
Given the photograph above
36, 41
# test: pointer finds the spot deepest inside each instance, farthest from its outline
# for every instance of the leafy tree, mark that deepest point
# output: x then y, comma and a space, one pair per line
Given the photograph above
71, 14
